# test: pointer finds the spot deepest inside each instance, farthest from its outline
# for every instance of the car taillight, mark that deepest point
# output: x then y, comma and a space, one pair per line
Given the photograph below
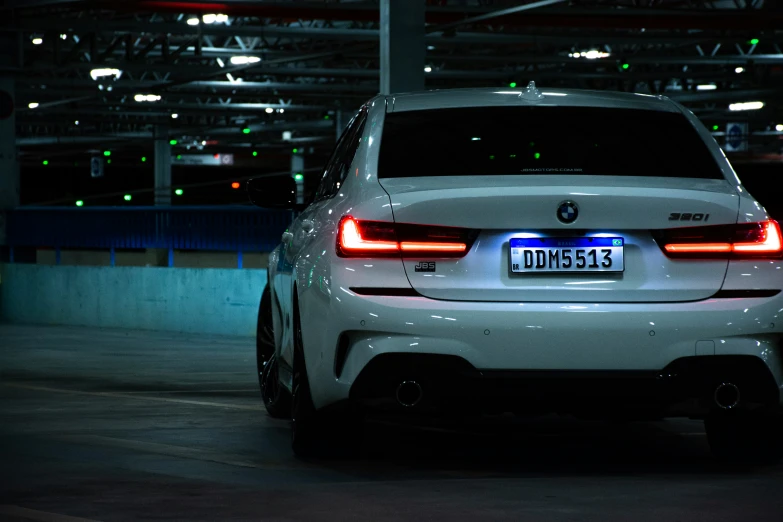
743, 240
359, 238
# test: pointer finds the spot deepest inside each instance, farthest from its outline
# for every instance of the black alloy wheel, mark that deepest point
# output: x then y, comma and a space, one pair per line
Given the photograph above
276, 398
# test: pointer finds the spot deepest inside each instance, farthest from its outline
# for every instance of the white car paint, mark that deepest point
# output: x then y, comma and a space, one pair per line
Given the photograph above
494, 321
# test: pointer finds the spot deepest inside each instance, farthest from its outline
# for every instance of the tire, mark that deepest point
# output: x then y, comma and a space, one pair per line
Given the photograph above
265, 337
316, 433
745, 438
276, 398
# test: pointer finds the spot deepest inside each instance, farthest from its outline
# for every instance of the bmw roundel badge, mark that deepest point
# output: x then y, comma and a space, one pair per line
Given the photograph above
567, 212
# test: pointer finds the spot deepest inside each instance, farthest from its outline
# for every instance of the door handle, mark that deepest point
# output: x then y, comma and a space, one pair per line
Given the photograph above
287, 236
308, 225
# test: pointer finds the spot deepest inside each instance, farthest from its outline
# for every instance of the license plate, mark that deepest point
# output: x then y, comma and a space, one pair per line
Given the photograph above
573, 254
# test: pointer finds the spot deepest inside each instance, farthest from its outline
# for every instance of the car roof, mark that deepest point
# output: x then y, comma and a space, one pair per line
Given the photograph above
505, 97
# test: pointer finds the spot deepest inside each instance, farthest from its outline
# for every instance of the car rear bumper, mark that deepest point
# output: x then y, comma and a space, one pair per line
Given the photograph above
639, 339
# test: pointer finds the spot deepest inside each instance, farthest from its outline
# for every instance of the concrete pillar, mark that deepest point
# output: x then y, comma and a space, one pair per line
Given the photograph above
162, 166
297, 172
9, 163
402, 46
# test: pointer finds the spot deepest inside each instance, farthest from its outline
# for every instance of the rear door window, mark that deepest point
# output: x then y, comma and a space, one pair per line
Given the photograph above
477, 141
342, 157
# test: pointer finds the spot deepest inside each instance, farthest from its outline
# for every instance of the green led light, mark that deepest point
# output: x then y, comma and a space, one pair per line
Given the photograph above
492, 157
512, 155
715, 127
246, 130
532, 144
45, 162
179, 156
178, 192
512, 84
108, 161
127, 197
255, 153
143, 159
326, 116
75, 163
295, 151
536, 155
754, 41
173, 142
80, 203
107, 153
625, 66
298, 177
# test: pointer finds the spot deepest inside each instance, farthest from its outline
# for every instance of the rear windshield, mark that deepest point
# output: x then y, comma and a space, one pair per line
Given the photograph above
479, 141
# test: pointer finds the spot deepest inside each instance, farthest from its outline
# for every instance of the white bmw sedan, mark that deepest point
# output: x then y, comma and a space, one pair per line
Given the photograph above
526, 251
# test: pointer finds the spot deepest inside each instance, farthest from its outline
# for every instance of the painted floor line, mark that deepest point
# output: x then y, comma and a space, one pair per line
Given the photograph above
176, 451
255, 390
116, 395
43, 516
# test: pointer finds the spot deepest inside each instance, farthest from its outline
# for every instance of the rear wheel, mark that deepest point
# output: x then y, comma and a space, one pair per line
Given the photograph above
265, 338
315, 432
276, 398
742, 437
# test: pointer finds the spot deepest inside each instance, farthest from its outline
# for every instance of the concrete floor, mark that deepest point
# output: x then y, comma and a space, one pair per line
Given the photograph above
125, 425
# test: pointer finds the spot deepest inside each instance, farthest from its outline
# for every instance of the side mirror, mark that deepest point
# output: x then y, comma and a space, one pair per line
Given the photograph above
277, 193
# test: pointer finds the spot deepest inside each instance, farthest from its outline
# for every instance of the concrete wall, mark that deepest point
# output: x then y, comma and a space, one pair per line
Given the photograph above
200, 300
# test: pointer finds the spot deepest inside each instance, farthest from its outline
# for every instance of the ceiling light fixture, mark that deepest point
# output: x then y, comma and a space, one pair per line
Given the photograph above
147, 97
193, 21
706, 87
739, 70
269, 110
100, 73
174, 115
32, 105
592, 54
779, 127
209, 18
244, 60
746, 106
37, 41
428, 69
221, 18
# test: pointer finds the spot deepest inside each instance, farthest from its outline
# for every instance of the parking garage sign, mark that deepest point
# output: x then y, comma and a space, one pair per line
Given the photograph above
736, 137
96, 167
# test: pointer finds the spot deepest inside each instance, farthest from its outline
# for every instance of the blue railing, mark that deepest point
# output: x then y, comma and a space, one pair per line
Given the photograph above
217, 228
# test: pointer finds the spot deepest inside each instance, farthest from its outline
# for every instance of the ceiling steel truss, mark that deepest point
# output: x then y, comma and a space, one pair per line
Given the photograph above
287, 65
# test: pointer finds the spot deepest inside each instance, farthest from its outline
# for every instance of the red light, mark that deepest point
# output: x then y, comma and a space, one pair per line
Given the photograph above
771, 242
698, 247
235, 185
351, 240
408, 246
743, 240
373, 238
216, 156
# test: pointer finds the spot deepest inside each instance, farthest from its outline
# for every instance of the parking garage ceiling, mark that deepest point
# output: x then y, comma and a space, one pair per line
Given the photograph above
240, 72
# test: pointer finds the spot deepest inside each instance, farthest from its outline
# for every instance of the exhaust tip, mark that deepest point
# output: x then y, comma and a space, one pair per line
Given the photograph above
409, 393
727, 396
